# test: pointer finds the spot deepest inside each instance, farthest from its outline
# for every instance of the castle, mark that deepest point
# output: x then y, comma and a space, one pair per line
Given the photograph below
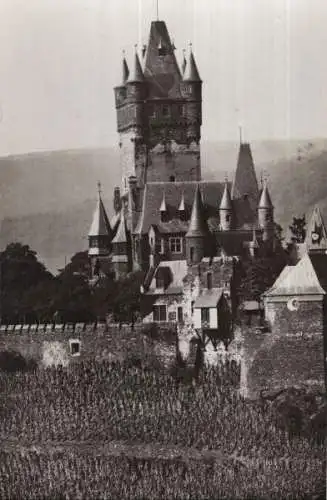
169, 222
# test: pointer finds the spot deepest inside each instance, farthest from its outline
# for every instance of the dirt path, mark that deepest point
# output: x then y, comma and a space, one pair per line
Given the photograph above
119, 448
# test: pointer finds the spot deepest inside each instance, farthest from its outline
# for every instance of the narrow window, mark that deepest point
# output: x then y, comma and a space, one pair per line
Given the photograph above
172, 178
180, 314
165, 110
160, 313
205, 317
209, 281
192, 254
175, 245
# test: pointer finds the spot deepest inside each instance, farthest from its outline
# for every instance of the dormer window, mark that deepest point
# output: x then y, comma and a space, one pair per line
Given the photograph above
162, 51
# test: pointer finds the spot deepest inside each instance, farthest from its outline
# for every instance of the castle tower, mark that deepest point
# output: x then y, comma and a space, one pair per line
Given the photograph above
226, 210
120, 250
100, 236
196, 238
316, 238
245, 183
266, 213
159, 115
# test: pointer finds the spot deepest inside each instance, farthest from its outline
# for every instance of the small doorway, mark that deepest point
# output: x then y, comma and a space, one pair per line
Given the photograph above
180, 314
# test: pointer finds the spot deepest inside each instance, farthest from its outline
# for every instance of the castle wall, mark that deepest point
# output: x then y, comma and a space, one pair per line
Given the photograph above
102, 343
291, 354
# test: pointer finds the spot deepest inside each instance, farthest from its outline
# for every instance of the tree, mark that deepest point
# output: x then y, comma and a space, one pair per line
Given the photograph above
298, 229
20, 272
126, 303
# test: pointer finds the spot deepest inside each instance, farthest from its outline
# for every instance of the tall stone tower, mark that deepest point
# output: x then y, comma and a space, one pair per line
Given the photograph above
159, 114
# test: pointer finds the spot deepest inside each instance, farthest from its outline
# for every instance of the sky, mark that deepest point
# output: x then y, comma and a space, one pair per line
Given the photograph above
262, 62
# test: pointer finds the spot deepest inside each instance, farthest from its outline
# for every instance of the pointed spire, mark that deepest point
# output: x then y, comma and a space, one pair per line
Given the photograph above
254, 242
198, 225
100, 224
191, 73
125, 69
184, 62
245, 181
316, 237
136, 74
181, 207
226, 200
265, 200
121, 235
163, 206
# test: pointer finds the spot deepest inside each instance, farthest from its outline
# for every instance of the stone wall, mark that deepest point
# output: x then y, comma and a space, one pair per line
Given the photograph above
182, 161
308, 318
99, 342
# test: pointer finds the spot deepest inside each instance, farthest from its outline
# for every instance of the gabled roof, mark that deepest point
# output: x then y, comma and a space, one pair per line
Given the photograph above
209, 298
226, 201
265, 200
191, 73
100, 224
136, 74
245, 181
298, 280
121, 235
177, 270
316, 238
161, 71
198, 225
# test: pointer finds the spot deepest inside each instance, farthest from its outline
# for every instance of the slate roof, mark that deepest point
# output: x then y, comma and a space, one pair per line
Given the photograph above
191, 73
121, 235
198, 225
136, 74
209, 298
100, 224
161, 72
245, 181
301, 279
265, 200
226, 200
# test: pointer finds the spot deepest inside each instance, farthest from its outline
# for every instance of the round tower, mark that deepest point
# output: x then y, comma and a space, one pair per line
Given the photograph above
191, 89
226, 210
266, 213
136, 90
196, 238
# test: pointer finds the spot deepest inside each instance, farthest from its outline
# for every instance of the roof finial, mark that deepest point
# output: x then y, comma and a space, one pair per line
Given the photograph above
191, 46
99, 188
157, 10
226, 178
124, 52
135, 47
241, 133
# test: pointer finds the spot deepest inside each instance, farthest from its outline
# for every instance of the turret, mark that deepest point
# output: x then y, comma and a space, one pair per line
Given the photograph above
191, 90
226, 210
120, 250
266, 213
121, 90
100, 235
245, 185
136, 83
197, 235
316, 235
253, 245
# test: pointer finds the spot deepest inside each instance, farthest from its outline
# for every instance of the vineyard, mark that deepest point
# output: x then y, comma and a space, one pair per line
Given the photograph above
228, 448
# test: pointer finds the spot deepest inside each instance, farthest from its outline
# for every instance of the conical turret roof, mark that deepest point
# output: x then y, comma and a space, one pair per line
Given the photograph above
136, 74
245, 182
100, 224
125, 71
183, 63
121, 235
265, 200
198, 225
181, 207
191, 73
226, 200
163, 206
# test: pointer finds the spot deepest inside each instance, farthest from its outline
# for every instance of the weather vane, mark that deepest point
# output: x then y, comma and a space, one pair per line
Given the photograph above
99, 187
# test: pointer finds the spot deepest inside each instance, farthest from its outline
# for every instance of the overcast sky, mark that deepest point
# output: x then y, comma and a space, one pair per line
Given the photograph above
263, 63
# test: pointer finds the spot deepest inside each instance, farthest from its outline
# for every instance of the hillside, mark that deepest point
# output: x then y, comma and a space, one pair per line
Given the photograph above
47, 199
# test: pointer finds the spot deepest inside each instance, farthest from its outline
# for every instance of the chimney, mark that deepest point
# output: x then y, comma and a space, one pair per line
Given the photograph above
117, 200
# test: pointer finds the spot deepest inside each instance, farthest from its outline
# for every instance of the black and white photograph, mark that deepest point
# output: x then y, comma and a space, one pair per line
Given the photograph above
163, 249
